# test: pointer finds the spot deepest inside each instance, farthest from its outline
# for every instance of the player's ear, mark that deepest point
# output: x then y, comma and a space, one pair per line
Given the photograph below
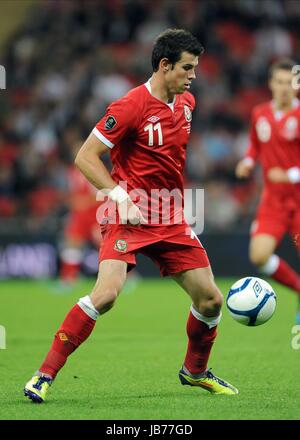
164, 64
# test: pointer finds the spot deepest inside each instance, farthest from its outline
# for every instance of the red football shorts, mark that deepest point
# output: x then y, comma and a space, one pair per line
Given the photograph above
173, 248
277, 221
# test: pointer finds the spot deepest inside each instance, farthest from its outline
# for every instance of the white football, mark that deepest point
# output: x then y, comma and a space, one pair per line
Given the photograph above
251, 301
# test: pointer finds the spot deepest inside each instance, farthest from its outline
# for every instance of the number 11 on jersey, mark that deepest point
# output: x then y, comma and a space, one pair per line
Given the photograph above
151, 128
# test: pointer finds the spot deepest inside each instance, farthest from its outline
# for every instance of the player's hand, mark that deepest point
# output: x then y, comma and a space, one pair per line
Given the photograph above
278, 175
130, 213
244, 168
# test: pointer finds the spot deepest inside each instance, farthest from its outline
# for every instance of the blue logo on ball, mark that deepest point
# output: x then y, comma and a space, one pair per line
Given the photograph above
257, 289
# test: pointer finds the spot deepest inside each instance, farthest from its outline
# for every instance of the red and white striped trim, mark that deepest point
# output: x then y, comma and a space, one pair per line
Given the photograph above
102, 138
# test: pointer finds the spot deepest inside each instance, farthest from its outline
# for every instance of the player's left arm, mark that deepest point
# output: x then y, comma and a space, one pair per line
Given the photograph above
246, 165
280, 175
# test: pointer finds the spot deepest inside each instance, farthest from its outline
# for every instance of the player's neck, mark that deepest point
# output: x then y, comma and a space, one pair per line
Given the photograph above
159, 90
283, 106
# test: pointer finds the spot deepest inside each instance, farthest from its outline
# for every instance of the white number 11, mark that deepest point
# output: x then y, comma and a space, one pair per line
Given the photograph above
150, 128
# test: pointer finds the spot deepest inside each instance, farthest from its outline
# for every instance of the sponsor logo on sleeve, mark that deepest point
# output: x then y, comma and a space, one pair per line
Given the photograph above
110, 123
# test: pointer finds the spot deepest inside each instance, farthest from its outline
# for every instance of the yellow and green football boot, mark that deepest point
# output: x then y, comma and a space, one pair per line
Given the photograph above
209, 382
36, 389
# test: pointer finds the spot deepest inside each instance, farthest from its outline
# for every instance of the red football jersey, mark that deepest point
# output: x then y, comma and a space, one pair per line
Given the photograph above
148, 139
275, 142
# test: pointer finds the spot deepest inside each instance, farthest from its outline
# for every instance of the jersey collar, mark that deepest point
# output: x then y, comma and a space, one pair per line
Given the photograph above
170, 104
278, 114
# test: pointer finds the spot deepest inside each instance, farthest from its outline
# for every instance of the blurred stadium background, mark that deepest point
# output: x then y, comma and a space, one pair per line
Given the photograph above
66, 60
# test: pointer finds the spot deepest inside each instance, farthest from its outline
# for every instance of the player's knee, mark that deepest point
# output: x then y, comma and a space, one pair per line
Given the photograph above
211, 304
258, 257
218, 301
105, 299
213, 307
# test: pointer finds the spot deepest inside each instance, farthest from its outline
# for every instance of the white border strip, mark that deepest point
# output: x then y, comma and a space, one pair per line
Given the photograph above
102, 138
209, 321
88, 307
270, 267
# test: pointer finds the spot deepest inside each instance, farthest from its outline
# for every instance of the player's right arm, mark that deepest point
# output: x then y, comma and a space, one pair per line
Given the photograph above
244, 168
246, 165
89, 162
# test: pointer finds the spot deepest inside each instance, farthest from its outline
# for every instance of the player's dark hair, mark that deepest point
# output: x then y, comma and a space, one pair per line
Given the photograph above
171, 43
281, 64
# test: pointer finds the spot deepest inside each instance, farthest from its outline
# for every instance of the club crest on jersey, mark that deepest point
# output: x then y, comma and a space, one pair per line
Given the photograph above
120, 245
263, 129
187, 113
110, 123
153, 119
291, 128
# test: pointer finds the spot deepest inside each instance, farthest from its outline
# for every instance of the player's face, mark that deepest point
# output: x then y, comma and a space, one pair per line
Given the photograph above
281, 87
180, 77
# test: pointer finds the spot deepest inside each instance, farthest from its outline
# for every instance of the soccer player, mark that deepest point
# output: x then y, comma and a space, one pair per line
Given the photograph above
81, 226
146, 133
275, 143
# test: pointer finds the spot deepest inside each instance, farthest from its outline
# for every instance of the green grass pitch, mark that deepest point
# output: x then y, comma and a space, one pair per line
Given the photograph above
128, 369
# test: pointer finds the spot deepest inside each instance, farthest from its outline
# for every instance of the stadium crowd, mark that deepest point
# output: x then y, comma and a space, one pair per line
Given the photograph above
70, 59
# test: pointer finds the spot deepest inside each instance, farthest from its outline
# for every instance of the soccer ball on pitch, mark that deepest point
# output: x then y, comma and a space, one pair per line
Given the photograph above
251, 301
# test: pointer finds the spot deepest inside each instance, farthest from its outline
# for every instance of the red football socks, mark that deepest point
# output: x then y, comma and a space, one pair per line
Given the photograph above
201, 339
75, 329
284, 274
69, 271
71, 258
